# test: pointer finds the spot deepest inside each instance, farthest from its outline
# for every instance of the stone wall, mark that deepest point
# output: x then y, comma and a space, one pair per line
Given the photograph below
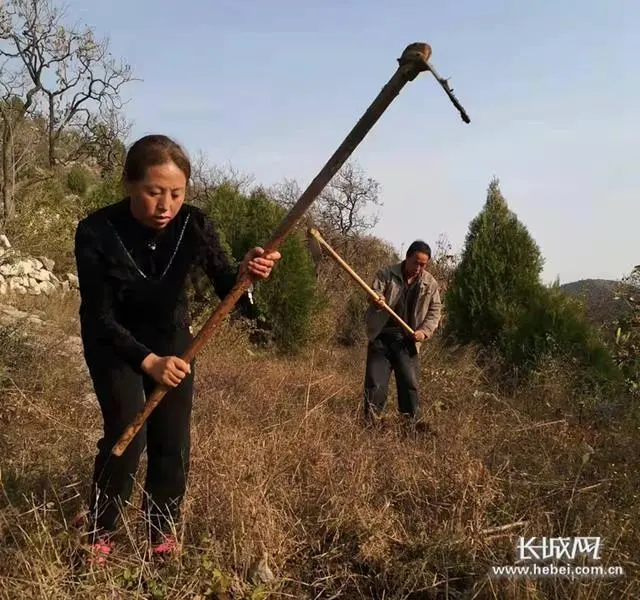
20, 274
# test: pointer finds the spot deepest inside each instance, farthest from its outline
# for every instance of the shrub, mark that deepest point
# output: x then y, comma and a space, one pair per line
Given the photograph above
626, 343
498, 272
554, 325
78, 180
45, 222
351, 324
286, 303
107, 191
496, 299
346, 301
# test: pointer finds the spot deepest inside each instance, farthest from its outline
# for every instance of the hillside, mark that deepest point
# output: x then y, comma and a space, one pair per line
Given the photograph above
529, 431
604, 300
283, 469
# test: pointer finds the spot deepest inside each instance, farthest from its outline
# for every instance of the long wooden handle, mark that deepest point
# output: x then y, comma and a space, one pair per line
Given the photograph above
318, 237
413, 61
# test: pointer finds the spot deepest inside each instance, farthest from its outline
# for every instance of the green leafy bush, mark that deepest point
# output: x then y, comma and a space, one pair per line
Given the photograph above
78, 180
45, 222
351, 325
285, 304
496, 299
626, 342
108, 190
554, 325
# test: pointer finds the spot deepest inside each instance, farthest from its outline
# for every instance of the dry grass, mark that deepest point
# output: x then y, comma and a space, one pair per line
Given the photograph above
281, 464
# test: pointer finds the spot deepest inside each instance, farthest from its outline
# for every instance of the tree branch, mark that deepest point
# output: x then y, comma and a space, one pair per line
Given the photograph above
74, 73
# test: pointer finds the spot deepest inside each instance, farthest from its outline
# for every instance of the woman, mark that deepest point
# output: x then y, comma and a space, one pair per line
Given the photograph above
133, 259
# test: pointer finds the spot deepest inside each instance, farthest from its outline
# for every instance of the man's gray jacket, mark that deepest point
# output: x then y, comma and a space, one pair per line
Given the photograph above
426, 315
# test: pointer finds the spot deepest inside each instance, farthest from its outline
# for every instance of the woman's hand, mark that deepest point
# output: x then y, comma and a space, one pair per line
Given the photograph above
168, 370
257, 265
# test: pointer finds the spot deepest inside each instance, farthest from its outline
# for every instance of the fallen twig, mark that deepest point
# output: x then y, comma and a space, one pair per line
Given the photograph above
503, 528
539, 425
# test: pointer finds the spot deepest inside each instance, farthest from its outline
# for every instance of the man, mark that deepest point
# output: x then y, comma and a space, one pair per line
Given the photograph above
413, 294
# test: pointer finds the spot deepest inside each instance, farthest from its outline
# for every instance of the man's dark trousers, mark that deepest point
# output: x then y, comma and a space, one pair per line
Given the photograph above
391, 351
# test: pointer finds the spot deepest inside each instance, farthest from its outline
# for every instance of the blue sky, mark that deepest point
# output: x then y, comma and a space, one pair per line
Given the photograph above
552, 89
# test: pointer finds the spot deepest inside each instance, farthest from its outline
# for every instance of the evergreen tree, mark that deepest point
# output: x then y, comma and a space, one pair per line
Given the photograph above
496, 299
497, 275
286, 302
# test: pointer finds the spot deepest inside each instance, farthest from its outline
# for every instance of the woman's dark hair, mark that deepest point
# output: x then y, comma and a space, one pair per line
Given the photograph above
153, 150
419, 246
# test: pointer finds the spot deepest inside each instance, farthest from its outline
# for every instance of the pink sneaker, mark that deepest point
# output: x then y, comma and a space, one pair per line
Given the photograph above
168, 547
100, 550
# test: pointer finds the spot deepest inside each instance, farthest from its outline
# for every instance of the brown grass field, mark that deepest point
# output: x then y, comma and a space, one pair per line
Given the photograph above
283, 468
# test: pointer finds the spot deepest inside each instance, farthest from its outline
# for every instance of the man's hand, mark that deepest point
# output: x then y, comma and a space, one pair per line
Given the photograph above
257, 265
168, 370
419, 336
380, 301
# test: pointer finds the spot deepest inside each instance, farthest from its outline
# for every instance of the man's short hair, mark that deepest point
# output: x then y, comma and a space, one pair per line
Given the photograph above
419, 246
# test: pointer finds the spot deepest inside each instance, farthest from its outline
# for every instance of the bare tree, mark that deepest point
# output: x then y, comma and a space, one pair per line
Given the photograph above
202, 183
343, 204
287, 193
17, 99
10, 111
341, 212
205, 179
633, 278
443, 262
74, 74
101, 140
342, 207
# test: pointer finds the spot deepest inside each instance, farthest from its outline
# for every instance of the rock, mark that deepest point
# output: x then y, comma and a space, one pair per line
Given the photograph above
46, 287
24, 267
47, 263
260, 572
8, 270
42, 275
25, 274
16, 284
12, 312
